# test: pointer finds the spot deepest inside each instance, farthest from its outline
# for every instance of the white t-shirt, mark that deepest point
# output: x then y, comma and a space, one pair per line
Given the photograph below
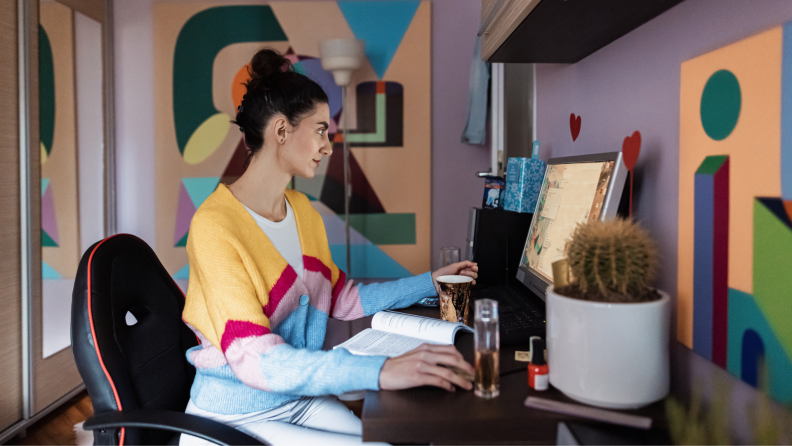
284, 236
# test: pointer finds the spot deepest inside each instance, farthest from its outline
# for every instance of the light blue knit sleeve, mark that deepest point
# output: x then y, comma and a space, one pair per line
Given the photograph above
312, 373
397, 294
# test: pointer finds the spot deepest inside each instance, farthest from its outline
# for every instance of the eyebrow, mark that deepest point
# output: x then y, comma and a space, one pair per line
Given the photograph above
325, 124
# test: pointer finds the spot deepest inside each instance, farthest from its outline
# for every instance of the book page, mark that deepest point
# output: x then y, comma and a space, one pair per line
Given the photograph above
429, 329
377, 342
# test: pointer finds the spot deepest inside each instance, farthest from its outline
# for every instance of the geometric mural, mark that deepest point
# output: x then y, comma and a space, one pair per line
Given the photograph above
366, 256
200, 65
772, 267
330, 187
382, 37
380, 113
236, 165
735, 220
200, 127
755, 349
192, 193
710, 289
379, 117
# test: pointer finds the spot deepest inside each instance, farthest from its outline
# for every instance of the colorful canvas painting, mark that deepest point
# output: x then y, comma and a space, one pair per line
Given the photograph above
201, 53
735, 209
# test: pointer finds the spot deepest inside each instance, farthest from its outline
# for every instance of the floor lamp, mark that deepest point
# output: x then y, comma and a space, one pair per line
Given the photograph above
342, 57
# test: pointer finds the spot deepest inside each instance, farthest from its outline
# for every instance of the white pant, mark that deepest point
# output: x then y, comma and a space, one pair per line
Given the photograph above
309, 421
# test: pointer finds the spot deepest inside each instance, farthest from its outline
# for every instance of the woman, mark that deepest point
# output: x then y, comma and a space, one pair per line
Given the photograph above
263, 283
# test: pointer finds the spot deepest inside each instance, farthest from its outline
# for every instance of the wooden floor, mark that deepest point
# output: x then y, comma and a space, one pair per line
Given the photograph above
58, 426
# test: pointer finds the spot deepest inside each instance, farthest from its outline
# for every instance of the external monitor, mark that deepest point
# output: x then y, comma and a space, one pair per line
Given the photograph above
575, 190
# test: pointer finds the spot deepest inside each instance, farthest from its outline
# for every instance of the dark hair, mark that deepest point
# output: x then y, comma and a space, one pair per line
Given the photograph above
274, 88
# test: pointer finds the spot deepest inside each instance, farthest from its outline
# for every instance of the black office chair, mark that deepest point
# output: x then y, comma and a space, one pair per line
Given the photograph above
137, 375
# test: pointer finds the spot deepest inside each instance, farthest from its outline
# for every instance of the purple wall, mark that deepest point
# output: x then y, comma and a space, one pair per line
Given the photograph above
455, 187
633, 84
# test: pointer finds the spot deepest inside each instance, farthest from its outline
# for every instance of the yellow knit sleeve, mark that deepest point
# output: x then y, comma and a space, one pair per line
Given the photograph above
221, 293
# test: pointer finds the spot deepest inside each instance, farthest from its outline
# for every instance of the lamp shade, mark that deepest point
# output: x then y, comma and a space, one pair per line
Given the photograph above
341, 57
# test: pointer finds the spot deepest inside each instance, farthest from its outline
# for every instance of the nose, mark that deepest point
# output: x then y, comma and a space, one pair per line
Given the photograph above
327, 148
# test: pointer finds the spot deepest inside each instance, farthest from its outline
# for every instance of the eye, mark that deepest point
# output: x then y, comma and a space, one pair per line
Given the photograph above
322, 131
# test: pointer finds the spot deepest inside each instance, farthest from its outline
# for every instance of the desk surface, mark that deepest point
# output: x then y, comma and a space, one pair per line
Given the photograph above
433, 415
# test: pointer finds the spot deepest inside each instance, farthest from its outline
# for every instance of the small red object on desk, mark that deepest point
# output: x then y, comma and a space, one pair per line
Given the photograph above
538, 373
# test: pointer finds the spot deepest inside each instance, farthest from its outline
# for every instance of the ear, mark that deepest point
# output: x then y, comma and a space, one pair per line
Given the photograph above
280, 125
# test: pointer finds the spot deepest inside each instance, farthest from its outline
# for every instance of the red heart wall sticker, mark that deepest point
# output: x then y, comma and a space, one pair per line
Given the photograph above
574, 126
631, 148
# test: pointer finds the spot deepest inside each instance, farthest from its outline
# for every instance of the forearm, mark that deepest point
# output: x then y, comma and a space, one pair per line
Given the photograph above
268, 363
312, 373
354, 301
396, 294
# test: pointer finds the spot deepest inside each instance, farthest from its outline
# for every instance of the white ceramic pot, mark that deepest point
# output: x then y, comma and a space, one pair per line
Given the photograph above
611, 355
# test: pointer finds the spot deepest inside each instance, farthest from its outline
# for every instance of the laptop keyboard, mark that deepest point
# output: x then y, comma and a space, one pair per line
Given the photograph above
520, 317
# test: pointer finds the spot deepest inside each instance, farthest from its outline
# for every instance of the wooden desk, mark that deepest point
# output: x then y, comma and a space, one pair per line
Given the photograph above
432, 415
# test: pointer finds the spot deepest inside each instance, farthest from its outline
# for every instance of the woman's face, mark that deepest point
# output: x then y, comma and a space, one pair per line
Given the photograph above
306, 144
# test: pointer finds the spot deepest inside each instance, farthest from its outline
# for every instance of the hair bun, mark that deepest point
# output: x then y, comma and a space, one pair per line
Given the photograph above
266, 66
274, 89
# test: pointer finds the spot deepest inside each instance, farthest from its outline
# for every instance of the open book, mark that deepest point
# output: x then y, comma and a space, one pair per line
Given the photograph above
393, 334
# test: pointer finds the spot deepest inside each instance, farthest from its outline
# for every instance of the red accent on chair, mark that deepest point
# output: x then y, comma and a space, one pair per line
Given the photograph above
93, 334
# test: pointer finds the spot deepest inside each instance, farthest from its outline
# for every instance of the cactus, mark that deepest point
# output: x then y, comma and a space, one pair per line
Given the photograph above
615, 259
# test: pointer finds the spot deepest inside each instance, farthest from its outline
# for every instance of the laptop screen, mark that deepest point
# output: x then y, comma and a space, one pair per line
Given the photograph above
575, 190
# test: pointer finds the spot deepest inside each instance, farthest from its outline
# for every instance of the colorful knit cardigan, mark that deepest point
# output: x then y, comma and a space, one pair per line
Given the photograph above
260, 325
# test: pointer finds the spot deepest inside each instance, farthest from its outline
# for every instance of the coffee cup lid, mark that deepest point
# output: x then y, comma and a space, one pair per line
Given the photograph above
455, 279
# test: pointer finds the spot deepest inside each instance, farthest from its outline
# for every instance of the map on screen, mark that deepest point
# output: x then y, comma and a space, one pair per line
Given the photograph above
571, 194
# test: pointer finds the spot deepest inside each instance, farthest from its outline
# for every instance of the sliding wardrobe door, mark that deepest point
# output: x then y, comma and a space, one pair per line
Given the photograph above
11, 395
72, 159
54, 370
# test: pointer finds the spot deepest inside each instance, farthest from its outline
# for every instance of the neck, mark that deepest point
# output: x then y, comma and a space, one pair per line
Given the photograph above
261, 188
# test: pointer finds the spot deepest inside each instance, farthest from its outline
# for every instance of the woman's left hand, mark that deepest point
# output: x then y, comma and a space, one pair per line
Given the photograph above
466, 268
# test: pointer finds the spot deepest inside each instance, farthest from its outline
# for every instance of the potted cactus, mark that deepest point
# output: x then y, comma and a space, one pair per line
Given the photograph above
607, 329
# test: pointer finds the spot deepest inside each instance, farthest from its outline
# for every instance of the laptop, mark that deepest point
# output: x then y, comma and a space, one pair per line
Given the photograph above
575, 190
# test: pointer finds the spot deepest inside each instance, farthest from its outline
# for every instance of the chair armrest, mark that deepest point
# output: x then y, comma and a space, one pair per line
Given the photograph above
204, 428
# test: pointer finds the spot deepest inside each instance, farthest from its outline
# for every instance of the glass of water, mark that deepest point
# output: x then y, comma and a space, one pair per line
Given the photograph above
449, 255
487, 345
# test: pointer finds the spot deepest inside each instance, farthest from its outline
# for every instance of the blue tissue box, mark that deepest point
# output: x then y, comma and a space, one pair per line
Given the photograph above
523, 183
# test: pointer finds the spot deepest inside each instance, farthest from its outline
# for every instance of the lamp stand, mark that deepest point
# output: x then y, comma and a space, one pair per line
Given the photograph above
347, 181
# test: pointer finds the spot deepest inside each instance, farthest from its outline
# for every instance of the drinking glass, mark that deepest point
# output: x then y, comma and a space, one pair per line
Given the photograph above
487, 345
448, 255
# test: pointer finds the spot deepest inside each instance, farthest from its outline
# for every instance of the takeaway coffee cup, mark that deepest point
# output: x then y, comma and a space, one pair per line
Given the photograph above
454, 298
